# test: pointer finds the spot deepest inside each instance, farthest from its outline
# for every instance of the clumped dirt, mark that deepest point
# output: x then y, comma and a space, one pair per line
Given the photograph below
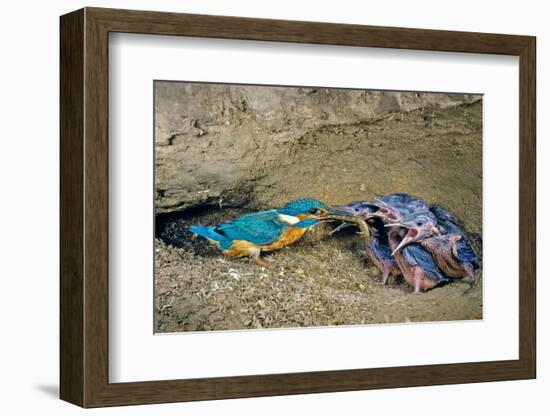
433, 153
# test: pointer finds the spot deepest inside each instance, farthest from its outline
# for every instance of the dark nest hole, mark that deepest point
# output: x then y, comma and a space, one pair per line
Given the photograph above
173, 228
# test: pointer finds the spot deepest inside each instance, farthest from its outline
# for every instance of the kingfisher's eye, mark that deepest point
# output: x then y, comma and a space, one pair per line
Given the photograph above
315, 211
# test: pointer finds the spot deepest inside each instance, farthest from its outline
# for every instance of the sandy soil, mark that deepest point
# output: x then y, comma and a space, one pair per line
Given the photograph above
322, 280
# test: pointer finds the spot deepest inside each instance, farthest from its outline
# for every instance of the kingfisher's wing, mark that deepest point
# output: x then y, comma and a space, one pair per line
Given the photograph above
270, 215
419, 256
260, 228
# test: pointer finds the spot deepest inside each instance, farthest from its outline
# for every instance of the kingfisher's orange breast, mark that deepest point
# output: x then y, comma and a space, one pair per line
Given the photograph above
288, 237
240, 248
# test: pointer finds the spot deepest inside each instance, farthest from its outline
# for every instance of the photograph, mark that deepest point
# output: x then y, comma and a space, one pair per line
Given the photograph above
282, 206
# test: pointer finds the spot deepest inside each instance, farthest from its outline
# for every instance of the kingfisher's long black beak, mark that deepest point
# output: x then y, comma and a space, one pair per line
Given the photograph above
337, 213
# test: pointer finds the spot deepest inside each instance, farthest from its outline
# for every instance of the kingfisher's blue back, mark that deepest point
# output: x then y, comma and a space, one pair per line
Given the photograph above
260, 228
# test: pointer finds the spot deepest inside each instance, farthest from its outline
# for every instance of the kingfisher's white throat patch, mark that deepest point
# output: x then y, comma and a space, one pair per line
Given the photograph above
289, 219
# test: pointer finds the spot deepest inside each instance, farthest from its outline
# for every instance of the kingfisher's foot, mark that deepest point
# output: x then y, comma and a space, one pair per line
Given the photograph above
262, 263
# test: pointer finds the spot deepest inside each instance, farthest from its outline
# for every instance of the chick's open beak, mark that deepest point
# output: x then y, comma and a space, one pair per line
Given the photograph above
387, 214
410, 237
414, 233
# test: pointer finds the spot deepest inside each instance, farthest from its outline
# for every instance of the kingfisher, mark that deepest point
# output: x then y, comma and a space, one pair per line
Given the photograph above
378, 248
251, 234
442, 236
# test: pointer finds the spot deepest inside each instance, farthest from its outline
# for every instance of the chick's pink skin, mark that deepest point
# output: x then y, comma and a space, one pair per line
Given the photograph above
415, 276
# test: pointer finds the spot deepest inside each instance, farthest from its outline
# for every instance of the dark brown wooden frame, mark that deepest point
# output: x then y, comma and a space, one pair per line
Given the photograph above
84, 208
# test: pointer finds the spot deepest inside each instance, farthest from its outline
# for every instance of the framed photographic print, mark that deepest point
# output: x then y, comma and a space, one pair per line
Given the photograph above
256, 207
